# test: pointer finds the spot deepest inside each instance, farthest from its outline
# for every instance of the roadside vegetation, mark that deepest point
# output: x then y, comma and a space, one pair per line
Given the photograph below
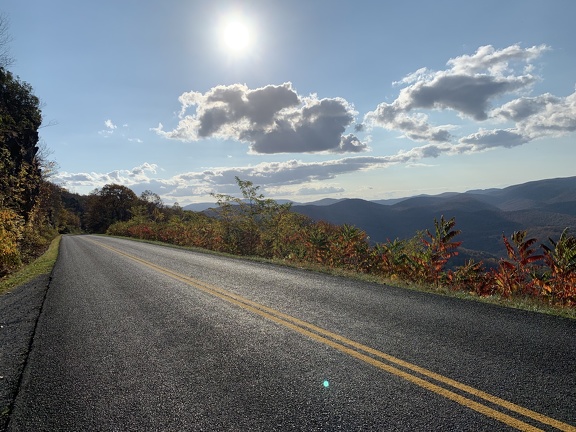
253, 225
40, 266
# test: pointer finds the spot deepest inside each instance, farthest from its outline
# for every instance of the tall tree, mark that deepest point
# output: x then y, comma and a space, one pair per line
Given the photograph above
20, 119
110, 204
153, 205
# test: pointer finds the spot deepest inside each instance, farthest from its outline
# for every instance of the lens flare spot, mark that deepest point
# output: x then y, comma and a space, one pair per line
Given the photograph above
326, 383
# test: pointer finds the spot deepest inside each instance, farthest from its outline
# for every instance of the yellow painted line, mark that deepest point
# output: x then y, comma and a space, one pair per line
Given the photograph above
336, 341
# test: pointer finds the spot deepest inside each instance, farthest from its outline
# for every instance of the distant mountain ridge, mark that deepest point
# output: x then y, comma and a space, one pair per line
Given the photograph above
544, 208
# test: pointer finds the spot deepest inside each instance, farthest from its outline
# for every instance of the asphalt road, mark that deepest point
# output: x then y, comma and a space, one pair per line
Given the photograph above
138, 337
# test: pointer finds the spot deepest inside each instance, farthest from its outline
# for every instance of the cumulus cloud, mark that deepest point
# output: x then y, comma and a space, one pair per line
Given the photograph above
541, 116
274, 175
468, 87
496, 62
414, 127
524, 107
490, 87
466, 94
271, 119
275, 119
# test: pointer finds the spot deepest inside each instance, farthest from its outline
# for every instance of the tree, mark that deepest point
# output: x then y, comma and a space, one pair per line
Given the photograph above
112, 203
248, 219
5, 39
153, 205
20, 119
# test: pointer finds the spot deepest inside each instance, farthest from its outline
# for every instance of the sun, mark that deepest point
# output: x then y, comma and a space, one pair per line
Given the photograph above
236, 35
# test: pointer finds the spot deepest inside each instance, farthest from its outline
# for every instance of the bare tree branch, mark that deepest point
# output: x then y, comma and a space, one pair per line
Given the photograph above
5, 40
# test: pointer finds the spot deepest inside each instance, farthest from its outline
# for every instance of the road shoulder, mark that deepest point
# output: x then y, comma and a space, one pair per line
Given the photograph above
19, 311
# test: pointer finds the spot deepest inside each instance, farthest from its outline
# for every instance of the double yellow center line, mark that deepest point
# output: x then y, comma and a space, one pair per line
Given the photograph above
422, 377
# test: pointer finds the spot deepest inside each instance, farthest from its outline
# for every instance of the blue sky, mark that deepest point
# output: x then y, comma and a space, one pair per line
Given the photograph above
309, 99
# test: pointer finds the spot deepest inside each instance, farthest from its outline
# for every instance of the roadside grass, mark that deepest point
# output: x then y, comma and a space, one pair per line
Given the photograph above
41, 265
523, 303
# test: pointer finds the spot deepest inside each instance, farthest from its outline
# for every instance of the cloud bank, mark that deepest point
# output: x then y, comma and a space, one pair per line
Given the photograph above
265, 174
488, 88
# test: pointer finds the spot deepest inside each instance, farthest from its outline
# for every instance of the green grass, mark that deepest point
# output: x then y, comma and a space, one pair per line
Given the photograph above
41, 265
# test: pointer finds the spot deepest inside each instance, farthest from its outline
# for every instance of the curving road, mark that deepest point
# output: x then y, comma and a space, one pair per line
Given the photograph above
139, 337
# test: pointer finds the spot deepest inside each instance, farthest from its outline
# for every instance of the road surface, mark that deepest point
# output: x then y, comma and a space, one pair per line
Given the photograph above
140, 337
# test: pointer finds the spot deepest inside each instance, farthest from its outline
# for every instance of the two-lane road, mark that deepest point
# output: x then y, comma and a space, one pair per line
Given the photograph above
134, 336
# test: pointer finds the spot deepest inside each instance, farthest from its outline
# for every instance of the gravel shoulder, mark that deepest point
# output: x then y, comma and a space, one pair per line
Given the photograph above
19, 312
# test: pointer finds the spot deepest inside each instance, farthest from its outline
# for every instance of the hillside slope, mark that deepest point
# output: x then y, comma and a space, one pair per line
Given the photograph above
543, 208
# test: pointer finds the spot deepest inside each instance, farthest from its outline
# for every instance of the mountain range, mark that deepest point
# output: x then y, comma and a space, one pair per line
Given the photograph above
544, 208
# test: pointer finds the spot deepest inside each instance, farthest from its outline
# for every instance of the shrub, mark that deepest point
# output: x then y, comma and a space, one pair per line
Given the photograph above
11, 230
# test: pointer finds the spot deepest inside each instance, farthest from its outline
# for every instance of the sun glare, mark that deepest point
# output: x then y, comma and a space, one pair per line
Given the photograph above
236, 35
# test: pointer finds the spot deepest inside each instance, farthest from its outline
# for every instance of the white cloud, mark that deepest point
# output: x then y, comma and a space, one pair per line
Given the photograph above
468, 95
144, 168
541, 116
271, 119
467, 87
97, 180
486, 139
496, 62
275, 119
524, 107
110, 125
223, 180
415, 127
111, 129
